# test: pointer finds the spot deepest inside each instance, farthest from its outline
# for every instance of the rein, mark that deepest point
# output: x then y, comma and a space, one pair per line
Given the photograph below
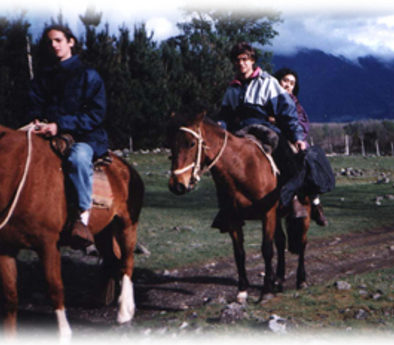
22, 182
197, 164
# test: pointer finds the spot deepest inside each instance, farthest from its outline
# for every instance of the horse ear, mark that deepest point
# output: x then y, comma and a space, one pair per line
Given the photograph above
201, 115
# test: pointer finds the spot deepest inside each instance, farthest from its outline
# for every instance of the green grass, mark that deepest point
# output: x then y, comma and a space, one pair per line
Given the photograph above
177, 229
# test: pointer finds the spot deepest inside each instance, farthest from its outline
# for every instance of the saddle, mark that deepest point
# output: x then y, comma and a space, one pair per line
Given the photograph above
263, 134
265, 138
102, 192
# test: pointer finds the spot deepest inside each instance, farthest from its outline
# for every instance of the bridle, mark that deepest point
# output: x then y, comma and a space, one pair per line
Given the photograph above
196, 165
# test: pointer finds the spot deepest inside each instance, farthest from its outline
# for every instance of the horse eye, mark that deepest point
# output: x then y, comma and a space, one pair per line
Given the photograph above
192, 144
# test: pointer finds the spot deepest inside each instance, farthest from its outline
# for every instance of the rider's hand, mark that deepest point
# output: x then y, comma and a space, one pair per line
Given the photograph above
300, 145
46, 129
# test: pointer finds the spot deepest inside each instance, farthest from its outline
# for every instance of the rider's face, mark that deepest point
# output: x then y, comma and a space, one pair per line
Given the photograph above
288, 83
244, 65
62, 47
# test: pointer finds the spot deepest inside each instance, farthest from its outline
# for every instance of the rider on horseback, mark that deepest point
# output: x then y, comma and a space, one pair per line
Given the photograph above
251, 99
67, 97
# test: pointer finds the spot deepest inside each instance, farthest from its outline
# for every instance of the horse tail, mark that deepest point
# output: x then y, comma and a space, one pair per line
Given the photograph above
136, 194
136, 191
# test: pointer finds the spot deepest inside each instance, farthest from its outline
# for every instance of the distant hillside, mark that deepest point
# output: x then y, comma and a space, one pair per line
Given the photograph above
336, 89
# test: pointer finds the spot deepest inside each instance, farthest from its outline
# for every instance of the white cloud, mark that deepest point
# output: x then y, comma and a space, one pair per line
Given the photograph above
162, 27
348, 27
341, 34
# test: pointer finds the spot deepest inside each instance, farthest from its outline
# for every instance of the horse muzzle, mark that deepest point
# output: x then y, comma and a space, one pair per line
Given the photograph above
179, 188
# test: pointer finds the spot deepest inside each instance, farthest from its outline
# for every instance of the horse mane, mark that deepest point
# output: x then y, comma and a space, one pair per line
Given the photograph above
4, 130
208, 120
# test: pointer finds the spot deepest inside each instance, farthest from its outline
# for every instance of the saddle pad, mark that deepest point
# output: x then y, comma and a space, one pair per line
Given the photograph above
102, 193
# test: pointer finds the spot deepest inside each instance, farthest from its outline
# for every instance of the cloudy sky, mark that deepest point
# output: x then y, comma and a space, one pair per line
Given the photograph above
350, 28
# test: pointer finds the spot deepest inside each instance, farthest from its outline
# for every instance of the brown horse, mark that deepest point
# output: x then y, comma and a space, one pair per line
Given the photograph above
39, 217
246, 186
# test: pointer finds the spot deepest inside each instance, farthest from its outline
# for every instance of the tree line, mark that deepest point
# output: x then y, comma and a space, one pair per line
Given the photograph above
357, 137
145, 79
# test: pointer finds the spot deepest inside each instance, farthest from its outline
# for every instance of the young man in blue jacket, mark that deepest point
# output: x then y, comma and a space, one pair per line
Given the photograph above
71, 98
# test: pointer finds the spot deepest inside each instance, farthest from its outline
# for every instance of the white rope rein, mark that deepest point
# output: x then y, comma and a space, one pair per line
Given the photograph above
274, 167
22, 182
197, 164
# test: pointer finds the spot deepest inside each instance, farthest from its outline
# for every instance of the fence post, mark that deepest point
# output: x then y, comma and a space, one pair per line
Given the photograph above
377, 147
362, 146
346, 145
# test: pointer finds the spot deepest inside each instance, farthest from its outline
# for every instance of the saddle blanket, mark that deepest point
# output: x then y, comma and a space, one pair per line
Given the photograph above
102, 192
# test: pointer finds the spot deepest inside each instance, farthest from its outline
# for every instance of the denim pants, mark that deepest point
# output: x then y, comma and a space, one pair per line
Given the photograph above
80, 172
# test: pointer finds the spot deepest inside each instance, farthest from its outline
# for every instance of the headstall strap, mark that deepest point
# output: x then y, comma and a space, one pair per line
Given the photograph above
197, 164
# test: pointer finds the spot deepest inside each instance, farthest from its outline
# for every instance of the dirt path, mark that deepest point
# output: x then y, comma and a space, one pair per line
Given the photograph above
189, 287
325, 260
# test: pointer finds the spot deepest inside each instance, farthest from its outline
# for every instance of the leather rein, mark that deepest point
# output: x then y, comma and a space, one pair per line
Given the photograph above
22, 182
196, 165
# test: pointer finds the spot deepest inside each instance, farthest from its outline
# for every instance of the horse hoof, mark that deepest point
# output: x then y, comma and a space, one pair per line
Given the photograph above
242, 297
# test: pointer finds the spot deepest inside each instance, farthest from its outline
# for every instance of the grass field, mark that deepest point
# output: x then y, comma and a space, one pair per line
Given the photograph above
177, 232
176, 229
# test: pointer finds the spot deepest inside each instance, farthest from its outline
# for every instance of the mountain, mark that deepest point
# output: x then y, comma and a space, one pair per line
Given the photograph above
334, 88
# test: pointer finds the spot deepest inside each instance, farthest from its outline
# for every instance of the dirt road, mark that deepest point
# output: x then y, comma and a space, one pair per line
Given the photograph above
194, 286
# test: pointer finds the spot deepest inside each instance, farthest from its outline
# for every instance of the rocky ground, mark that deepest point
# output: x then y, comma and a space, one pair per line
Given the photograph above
193, 286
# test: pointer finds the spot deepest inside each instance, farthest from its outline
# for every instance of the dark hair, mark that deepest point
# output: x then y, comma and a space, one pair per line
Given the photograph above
243, 48
280, 73
46, 56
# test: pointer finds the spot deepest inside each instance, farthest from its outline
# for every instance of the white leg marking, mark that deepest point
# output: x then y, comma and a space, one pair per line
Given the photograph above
64, 327
126, 301
242, 297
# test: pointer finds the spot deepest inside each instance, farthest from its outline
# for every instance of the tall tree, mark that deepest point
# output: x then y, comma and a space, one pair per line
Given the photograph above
198, 59
14, 70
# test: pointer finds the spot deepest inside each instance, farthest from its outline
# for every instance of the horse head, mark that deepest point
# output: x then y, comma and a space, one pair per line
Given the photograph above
186, 144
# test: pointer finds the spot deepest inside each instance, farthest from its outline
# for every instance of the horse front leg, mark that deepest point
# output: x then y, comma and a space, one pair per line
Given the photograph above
8, 278
50, 257
269, 225
280, 243
128, 240
239, 255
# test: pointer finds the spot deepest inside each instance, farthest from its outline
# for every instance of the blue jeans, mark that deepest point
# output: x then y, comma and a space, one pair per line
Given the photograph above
80, 172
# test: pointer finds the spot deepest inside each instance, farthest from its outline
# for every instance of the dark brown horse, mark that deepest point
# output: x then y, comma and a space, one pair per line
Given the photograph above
246, 186
39, 216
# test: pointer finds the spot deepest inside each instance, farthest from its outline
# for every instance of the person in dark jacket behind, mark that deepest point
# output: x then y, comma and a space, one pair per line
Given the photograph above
288, 79
68, 97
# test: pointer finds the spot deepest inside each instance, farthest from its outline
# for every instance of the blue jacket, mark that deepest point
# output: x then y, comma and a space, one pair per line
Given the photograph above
72, 96
256, 99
